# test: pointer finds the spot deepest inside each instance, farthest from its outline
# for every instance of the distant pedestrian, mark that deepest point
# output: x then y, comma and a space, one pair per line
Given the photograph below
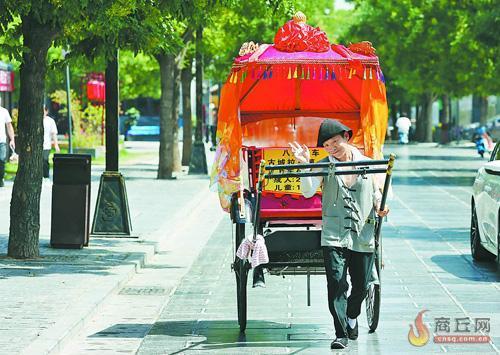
483, 141
213, 129
49, 138
403, 124
6, 129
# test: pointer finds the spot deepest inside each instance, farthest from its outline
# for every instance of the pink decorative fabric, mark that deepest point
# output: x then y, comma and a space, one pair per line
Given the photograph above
259, 255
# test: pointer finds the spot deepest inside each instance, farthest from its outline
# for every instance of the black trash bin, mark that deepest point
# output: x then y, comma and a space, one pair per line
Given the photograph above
70, 220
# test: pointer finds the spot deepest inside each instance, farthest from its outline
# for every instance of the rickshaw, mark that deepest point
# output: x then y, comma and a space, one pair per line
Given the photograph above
280, 93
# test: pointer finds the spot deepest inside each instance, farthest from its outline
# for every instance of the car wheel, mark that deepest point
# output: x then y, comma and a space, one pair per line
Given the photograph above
479, 253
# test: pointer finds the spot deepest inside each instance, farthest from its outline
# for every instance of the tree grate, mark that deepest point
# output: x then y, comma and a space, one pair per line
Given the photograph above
143, 291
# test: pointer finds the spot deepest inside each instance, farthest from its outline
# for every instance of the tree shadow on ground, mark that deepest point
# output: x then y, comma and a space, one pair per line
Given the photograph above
423, 233
464, 267
442, 157
445, 256
441, 170
465, 180
223, 334
98, 259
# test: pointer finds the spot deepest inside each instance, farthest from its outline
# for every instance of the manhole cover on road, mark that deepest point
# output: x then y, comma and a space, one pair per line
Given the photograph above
143, 291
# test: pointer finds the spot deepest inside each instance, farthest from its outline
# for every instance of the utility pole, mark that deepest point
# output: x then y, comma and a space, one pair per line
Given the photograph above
198, 162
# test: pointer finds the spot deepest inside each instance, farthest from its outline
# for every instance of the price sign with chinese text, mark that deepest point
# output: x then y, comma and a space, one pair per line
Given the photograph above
280, 156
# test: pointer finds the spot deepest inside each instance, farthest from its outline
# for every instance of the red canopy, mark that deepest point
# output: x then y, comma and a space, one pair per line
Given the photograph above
276, 94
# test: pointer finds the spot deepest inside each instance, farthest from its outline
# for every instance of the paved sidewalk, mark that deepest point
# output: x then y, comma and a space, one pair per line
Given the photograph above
45, 302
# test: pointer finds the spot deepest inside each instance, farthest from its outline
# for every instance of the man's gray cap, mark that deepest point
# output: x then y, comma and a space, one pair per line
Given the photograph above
330, 128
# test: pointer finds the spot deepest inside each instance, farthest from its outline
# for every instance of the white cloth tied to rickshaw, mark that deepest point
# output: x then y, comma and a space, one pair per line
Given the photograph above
259, 255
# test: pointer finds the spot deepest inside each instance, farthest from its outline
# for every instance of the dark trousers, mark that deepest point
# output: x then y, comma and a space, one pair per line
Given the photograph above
46, 166
337, 262
3, 158
360, 269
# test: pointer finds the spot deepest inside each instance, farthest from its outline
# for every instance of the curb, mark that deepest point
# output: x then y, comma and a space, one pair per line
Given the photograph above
69, 328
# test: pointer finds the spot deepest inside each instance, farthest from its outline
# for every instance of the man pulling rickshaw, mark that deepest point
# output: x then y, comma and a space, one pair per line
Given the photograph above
323, 219
349, 201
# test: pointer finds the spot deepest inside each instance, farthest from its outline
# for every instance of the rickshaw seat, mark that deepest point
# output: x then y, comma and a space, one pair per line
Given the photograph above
286, 206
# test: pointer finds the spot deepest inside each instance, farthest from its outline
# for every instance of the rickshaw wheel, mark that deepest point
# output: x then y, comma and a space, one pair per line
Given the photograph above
241, 271
373, 296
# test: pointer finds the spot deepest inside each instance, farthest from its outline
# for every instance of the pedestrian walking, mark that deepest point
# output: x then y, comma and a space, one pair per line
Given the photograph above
213, 129
403, 124
6, 129
483, 141
350, 204
49, 138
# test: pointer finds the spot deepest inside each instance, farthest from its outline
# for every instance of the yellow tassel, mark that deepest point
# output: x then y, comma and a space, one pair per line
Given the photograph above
371, 74
295, 73
231, 78
235, 77
364, 74
289, 73
350, 73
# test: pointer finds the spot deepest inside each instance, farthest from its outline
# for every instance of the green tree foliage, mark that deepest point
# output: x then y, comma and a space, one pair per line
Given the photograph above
427, 48
139, 76
29, 28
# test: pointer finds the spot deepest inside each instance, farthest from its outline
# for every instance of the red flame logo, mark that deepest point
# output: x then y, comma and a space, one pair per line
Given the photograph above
423, 331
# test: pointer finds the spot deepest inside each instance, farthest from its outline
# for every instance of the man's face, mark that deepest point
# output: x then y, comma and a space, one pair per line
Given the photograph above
337, 146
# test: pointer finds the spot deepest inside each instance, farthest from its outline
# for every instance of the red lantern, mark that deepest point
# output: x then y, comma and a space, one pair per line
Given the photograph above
96, 91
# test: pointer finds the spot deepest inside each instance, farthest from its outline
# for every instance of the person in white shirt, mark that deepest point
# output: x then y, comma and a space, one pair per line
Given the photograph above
5, 129
49, 138
403, 124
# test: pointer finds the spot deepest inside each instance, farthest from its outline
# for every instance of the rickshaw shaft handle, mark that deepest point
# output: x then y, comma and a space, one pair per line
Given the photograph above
325, 173
326, 165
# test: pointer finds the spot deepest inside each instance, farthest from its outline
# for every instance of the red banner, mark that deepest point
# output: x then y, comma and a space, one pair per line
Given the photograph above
6, 80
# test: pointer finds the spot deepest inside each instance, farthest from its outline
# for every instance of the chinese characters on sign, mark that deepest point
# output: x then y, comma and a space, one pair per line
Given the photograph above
280, 156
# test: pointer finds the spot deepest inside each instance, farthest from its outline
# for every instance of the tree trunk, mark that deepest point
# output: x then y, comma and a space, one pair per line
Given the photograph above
394, 118
421, 120
177, 166
483, 110
187, 140
166, 161
25, 203
444, 119
428, 118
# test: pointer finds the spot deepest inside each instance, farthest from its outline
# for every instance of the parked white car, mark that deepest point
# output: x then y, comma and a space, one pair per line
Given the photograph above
485, 221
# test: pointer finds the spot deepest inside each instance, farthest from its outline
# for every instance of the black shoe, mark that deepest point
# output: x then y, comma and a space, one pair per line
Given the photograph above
339, 343
352, 333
